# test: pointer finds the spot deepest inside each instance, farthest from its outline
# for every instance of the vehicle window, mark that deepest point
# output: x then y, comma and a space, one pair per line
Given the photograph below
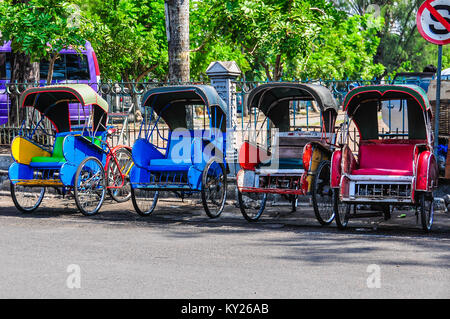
395, 117
67, 67
5, 66
199, 115
77, 67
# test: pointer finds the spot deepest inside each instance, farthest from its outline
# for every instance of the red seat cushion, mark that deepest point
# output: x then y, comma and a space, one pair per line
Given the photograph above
388, 157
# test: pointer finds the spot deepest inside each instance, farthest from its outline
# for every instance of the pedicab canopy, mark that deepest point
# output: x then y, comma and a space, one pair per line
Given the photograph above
273, 100
363, 103
170, 104
53, 102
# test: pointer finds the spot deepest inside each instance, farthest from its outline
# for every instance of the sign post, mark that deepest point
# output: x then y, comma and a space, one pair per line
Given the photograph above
438, 102
433, 23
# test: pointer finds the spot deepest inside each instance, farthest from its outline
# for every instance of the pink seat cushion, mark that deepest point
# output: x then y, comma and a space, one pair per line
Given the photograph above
389, 157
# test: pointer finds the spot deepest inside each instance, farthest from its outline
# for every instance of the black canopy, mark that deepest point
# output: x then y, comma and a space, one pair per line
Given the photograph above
363, 103
273, 100
53, 102
170, 103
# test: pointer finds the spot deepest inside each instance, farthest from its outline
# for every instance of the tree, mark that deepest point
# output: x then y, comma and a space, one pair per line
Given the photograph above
207, 44
345, 50
401, 46
285, 39
23, 69
40, 29
130, 40
177, 28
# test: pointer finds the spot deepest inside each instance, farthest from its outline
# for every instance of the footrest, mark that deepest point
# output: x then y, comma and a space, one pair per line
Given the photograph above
380, 178
279, 172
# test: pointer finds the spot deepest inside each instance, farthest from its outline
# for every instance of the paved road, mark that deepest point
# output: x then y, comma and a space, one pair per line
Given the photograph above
180, 253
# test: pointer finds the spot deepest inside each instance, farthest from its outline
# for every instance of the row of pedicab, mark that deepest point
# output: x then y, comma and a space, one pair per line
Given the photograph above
384, 167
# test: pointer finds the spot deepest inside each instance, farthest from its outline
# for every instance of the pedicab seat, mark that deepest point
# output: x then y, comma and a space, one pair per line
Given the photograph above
394, 158
54, 161
168, 164
153, 160
287, 163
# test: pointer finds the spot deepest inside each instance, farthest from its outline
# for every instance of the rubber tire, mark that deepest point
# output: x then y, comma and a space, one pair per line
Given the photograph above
75, 188
203, 193
111, 190
341, 224
138, 209
314, 194
427, 222
244, 213
20, 208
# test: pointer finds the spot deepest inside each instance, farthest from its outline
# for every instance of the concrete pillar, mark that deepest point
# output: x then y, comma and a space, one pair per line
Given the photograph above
223, 75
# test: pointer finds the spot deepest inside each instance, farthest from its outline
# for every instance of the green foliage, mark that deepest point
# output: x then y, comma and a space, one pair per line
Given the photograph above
286, 39
42, 28
345, 50
269, 39
130, 39
401, 48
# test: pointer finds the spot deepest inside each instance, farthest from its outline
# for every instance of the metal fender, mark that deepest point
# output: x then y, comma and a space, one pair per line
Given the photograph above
336, 168
251, 155
313, 154
139, 175
195, 177
344, 188
304, 183
19, 171
426, 172
67, 173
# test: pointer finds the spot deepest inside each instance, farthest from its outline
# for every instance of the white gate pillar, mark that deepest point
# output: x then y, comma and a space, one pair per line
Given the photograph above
223, 75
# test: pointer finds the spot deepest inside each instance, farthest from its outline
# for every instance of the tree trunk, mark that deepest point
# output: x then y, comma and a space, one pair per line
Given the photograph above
278, 70
23, 71
177, 31
51, 67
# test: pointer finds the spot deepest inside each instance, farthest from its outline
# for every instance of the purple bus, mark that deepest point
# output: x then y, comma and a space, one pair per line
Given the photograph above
71, 67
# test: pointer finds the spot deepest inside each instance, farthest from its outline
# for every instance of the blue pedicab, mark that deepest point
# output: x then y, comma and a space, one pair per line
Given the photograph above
75, 160
191, 159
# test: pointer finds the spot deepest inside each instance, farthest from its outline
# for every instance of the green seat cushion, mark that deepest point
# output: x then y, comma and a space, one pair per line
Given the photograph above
57, 155
58, 147
47, 159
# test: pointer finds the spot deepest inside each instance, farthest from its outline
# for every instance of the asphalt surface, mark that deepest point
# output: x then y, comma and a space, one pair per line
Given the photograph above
180, 253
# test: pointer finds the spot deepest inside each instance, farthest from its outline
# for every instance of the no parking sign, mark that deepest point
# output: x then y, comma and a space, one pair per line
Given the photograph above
433, 21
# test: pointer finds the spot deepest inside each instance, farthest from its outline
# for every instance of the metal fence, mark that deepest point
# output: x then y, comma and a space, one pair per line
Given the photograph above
124, 99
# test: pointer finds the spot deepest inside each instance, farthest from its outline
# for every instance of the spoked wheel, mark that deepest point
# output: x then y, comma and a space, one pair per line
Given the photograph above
27, 199
144, 200
341, 211
252, 205
322, 194
116, 177
426, 211
90, 186
214, 188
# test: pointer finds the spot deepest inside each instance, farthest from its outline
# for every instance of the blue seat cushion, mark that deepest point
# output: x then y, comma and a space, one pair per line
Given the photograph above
168, 165
49, 165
